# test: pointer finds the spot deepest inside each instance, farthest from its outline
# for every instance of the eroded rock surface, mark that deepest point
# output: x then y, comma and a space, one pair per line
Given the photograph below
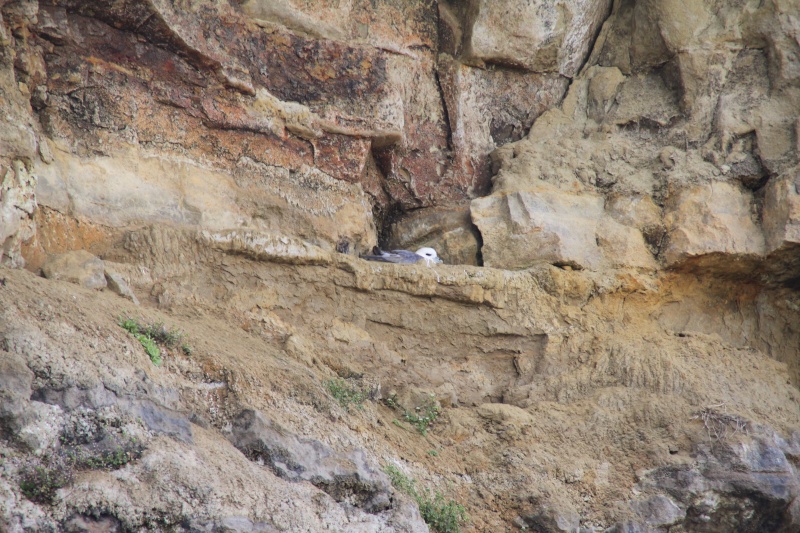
613, 186
679, 107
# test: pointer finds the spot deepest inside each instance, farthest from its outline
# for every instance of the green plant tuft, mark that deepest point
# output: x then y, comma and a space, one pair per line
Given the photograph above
346, 394
150, 348
153, 335
422, 417
40, 479
443, 516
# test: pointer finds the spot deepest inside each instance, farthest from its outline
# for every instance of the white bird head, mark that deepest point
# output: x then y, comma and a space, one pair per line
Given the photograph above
429, 254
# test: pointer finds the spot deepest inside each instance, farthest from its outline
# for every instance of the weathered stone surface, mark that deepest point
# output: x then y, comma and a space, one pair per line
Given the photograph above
603, 89
232, 524
116, 283
781, 215
17, 205
20, 73
623, 246
480, 121
17, 379
747, 486
78, 266
659, 511
638, 211
223, 150
713, 218
347, 477
641, 99
32, 425
539, 36
629, 527
539, 225
553, 518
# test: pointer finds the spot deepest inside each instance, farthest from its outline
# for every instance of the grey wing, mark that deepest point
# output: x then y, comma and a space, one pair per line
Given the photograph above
381, 258
403, 256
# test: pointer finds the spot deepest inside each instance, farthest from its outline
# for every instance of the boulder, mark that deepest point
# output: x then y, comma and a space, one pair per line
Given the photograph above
781, 215
659, 511
541, 36
17, 205
350, 476
77, 266
623, 246
522, 228
553, 518
117, 284
713, 218
480, 121
733, 486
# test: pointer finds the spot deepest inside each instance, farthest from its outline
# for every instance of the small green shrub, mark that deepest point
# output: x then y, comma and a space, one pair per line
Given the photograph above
41, 478
392, 402
150, 348
443, 516
346, 394
421, 417
153, 335
108, 460
89, 440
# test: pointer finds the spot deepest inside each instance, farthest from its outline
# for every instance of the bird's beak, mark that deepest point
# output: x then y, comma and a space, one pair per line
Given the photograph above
439, 260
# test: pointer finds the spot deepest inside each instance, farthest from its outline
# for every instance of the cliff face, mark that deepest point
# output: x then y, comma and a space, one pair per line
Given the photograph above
612, 343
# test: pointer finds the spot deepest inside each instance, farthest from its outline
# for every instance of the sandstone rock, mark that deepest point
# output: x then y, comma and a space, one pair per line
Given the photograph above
781, 216
708, 219
17, 379
267, 246
323, 23
78, 267
539, 36
758, 479
638, 211
643, 99
659, 511
504, 413
270, 131
479, 121
346, 477
539, 225
17, 205
551, 517
623, 246
631, 39
116, 283
603, 88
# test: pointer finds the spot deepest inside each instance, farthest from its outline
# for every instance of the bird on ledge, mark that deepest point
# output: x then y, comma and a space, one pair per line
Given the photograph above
428, 255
